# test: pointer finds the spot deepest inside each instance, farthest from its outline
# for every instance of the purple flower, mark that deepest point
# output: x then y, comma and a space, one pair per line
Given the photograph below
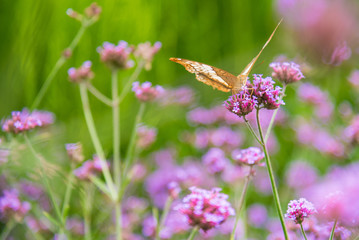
257, 215
146, 136
74, 151
206, 209
301, 174
250, 156
354, 78
116, 56
286, 72
81, 74
215, 160
173, 189
89, 168
181, 96
11, 206
25, 121
340, 53
299, 209
75, 226
241, 104
340, 232
266, 95
145, 92
146, 52
351, 133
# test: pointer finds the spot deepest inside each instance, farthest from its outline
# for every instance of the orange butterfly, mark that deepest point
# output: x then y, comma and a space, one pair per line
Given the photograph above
218, 78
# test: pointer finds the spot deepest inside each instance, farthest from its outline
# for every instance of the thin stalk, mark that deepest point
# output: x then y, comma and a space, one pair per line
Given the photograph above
333, 230
99, 95
164, 215
60, 62
193, 233
68, 193
87, 204
271, 176
116, 128
252, 131
95, 139
46, 182
132, 78
8, 228
303, 232
274, 115
118, 221
240, 204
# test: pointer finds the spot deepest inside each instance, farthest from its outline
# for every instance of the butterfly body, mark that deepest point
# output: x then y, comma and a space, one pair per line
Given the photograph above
218, 78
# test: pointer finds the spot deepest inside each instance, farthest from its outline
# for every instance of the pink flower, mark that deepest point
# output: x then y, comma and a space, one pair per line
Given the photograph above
81, 74
301, 174
116, 56
93, 11
89, 168
146, 52
145, 92
250, 156
299, 209
286, 72
146, 136
181, 96
206, 209
12, 207
340, 53
241, 104
215, 160
354, 78
74, 151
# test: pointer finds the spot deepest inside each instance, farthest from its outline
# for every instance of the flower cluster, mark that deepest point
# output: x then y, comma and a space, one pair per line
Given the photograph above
215, 160
81, 74
25, 121
116, 56
206, 209
145, 92
250, 156
146, 52
286, 72
89, 168
181, 96
299, 209
74, 151
11, 206
340, 53
146, 136
259, 94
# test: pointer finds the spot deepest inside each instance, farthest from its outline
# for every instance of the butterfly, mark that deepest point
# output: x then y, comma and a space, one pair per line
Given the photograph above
218, 78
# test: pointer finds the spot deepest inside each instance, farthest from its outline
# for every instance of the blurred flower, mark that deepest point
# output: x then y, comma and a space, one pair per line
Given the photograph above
250, 156
81, 74
37, 225
351, 133
116, 57
146, 136
300, 174
215, 160
354, 78
89, 168
93, 11
257, 215
75, 226
74, 151
339, 233
145, 92
206, 209
233, 173
137, 172
261, 182
12, 207
67, 53
25, 121
181, 96
73, 14
146, 52
341, 53
149, 229
4, 155
299, 209
173, 189
286, 72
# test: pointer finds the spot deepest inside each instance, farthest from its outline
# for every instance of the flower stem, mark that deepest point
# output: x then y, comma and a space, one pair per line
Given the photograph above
60, 62
118, 221
240, 204
333, 230
6, 231
193, 233
166, 210
303, 232
274, 115
87, 204
99, 95
132, 78
65, 206
252, 131
271, 176
95, 139
116, 128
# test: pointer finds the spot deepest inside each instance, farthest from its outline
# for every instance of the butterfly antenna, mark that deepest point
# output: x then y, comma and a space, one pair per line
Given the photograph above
249, 67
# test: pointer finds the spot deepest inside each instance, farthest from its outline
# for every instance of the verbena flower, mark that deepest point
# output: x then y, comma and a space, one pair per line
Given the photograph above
12, 207
250, 156
301, 174
206, 209
146, 52
38, 225
299, 209
89, 168
75, 226
354, 78
25, 121
286, 72
351, 133
116, 56
93, 11
81, 74
340, 53
215, 160
257, 215
181, 96
174, 189
145, 92
146, 136
74, 151
241, 104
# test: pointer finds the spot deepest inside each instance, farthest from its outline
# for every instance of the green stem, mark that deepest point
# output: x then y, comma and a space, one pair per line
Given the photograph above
252, 131
46, 182
333, 230
116, 129
99, 95
118, 221
193, 233
87, 204
60, 62
65, 206
303, 232
240, 203
132, 78
271, 176
9, 226
274, 115
166, 210
95, 139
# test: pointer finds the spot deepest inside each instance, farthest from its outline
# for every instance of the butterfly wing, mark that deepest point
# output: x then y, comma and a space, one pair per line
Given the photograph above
212, 76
